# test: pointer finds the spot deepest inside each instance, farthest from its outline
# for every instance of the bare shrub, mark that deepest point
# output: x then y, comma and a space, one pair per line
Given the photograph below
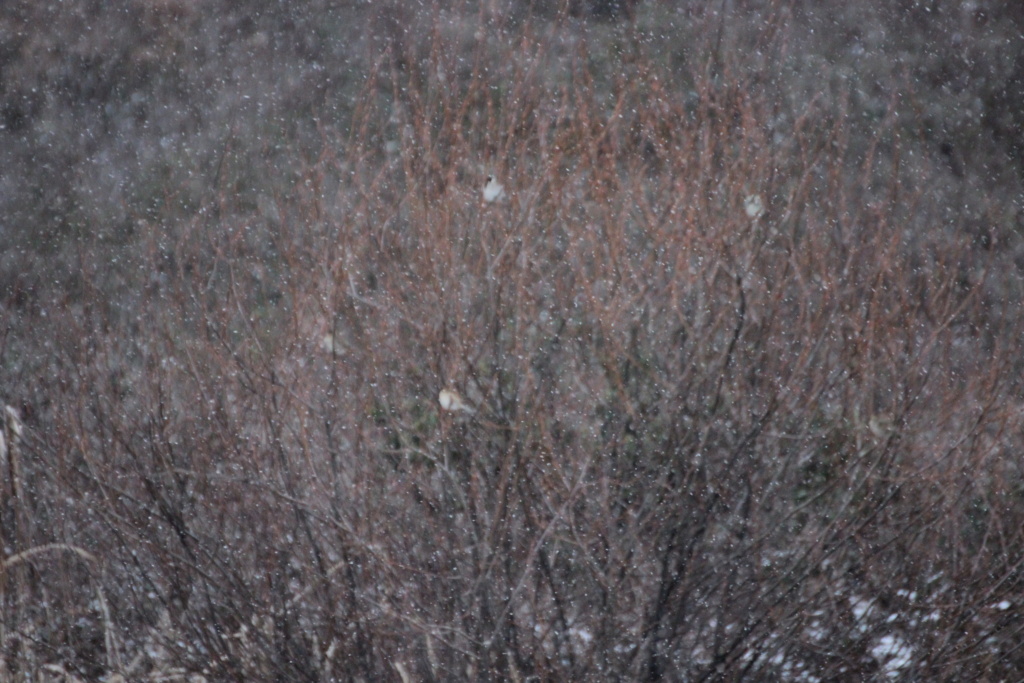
744, 406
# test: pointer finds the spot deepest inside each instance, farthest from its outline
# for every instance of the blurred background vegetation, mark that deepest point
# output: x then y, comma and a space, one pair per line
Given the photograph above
118, 112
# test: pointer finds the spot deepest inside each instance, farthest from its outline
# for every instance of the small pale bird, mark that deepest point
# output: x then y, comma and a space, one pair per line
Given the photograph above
493, 189
452, 402
753, 205
881, 426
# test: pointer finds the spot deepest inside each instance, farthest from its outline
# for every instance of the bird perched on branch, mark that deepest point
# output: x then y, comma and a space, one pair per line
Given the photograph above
493, 190
452, 402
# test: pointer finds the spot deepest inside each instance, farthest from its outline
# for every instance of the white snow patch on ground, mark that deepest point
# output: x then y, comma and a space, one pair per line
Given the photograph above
581, 634
893, 654
861, 608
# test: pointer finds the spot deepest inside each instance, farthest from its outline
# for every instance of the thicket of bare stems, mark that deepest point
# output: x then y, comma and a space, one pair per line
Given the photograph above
713, 440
